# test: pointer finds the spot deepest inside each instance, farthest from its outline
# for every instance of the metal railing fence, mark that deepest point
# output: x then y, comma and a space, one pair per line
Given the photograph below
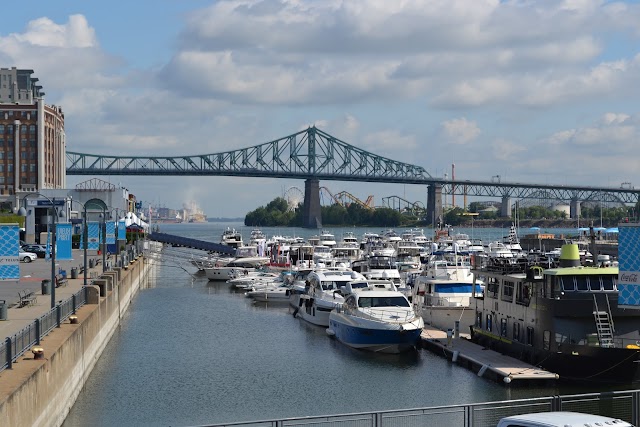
624, 405
17, 344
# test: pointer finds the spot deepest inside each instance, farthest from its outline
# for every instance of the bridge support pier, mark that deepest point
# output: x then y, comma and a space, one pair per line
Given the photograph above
574, 209
312, 216
434, 205
505, 210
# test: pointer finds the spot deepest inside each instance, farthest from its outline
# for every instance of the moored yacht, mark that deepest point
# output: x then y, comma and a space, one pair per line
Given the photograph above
246, 260
323, 294
379, 320
231, 237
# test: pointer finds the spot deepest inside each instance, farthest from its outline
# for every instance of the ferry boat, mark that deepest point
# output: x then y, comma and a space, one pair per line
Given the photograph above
565, 320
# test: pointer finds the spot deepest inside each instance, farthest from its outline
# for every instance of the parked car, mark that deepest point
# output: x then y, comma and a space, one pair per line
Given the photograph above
560, 419
39, 250
27, 256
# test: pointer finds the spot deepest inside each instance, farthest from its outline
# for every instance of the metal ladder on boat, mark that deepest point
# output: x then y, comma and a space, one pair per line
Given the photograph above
604, 323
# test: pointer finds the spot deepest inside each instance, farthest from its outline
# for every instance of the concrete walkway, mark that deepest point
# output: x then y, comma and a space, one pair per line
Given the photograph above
31, 276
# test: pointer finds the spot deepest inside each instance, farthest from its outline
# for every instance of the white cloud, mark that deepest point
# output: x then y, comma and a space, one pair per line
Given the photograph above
459, 131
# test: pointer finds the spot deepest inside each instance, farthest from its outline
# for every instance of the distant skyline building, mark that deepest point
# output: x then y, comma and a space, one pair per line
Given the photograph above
32, 136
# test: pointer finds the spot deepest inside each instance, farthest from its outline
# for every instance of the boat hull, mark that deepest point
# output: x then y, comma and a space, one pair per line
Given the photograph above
575, 363
376, 336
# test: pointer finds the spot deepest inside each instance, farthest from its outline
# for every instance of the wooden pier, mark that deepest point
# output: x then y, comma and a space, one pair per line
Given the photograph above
484, 362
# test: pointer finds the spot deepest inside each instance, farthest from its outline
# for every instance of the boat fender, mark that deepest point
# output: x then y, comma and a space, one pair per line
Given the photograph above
295, 312
287, 292
302, 300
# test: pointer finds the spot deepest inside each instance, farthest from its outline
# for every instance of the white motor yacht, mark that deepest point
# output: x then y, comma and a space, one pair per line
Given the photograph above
246, 260
323, 294
379, 320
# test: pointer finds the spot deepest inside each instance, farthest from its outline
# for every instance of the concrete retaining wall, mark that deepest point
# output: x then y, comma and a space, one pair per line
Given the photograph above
41, 392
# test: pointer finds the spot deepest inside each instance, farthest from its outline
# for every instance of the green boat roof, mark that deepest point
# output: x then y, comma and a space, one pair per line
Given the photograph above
574, 271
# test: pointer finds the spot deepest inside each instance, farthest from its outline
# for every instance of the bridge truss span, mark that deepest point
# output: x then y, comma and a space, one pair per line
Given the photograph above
308, 153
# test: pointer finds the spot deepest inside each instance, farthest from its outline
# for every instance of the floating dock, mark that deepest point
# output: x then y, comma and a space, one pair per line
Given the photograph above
484, 362
191, 243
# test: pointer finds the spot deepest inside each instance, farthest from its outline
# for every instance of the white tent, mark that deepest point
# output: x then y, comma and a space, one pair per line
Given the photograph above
132, 218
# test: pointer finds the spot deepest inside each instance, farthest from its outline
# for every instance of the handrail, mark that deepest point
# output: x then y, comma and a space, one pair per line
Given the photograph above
17, 344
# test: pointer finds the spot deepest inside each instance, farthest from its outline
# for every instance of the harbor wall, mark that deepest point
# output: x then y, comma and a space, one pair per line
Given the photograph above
41, 392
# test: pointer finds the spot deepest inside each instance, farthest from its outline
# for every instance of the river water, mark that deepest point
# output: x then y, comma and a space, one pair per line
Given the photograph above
193, 352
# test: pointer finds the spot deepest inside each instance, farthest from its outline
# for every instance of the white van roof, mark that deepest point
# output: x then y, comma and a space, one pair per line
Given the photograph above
561, 419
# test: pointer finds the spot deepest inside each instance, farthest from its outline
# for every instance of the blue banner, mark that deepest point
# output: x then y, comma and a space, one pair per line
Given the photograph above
122, 230
9, 252
63, 241
629, 266
93, 236
111, 233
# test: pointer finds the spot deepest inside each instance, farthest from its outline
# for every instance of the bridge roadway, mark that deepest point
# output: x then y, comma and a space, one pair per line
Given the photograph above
313, 155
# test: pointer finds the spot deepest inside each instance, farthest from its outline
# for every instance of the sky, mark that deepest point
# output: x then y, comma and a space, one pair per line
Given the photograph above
532, 91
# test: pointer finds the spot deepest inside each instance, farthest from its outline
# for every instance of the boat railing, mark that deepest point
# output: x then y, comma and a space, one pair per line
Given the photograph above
435, 301
389, 315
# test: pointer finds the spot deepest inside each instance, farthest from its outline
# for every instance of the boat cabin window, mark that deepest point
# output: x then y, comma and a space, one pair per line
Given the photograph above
529, 336
582, 283
503, 327
371, 302
350, 303
516, 331
609, 283
489, 323
329, 285
479, 319
493, 287
507, 291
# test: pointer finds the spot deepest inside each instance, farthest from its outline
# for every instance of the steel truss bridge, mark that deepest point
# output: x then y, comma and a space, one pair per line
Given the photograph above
315, 155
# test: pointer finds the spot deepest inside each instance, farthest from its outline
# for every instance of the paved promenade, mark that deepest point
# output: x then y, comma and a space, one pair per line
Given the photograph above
31, 276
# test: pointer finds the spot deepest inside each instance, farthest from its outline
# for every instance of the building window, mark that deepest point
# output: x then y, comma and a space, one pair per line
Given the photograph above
32, 129
10, 130
10, 167
23, 129
32, 180
10, 155
32, 167
23, 142
32, 155
23, 155
1, 179
1, 128
23, 168
1, 167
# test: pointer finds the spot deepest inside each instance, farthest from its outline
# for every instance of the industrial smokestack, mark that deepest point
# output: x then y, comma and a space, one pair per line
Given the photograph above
453, 187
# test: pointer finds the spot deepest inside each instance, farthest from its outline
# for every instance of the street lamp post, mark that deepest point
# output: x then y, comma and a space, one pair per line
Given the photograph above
104, 238
85, 238
54, 213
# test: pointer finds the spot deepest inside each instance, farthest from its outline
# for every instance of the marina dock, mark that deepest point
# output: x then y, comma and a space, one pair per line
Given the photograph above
484, 362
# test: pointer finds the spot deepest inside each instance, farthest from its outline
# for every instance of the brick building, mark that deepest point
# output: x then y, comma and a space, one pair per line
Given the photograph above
32, 137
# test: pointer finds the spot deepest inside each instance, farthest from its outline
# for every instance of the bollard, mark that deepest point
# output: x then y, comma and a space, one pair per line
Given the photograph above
456, 329
73, 319
3, 309
38, 353
449, 337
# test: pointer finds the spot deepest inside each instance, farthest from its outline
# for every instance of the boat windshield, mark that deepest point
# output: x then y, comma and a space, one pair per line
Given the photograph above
369, 302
